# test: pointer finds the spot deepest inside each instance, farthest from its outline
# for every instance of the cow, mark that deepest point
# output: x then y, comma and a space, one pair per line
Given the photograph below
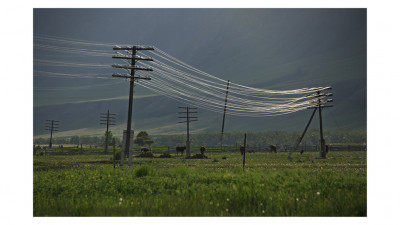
272, 148
180, 150
242, 149
202, 150
144, 150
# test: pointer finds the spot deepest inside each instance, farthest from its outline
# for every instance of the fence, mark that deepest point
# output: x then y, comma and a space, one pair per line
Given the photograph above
77, 150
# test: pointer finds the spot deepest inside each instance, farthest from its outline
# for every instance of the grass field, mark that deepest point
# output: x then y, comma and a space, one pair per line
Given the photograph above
271, 185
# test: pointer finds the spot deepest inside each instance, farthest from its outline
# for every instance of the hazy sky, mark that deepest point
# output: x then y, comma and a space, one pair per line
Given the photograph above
264, 43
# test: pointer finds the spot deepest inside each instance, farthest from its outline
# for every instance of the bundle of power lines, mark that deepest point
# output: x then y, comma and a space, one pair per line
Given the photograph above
177, 80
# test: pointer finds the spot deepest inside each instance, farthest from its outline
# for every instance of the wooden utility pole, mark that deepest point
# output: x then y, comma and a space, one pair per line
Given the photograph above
133, 58
223, 118
321, 132
51, 125
107, 119
188, 120
244, 152
318, 104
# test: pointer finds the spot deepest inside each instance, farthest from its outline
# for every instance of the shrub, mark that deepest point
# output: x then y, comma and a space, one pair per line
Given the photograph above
118, 155
197, 156
146, 155
165, 155
145, 171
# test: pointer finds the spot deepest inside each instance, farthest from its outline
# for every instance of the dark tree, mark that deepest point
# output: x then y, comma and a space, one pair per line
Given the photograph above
74, 140
110, 137
143, 138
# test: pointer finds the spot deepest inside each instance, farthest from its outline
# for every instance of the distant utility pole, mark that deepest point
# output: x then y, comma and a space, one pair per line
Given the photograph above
223, 118
319, 104
51, 125
131, 59
188, 120
107, 119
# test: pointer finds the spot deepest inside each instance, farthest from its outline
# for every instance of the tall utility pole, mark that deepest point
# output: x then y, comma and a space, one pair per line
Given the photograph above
131, 59
188, 120
223, 118
319, 104
51, 125
107, 119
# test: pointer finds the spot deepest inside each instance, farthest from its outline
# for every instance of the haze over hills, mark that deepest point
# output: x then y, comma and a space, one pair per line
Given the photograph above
265, 48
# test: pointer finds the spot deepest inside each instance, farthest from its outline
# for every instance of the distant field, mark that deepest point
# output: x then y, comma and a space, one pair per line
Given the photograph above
271, 185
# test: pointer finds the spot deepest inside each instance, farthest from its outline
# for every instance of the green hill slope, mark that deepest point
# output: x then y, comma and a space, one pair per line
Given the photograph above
265, 48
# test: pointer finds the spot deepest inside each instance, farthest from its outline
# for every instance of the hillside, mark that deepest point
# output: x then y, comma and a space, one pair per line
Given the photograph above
266, 48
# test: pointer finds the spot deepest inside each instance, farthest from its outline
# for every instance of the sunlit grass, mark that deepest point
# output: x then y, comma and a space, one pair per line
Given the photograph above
270, 185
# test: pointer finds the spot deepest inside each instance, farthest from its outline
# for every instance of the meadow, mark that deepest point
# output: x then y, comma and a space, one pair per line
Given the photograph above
270, 185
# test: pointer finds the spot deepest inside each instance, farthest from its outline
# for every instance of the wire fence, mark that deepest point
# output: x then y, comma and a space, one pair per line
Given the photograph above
89, 150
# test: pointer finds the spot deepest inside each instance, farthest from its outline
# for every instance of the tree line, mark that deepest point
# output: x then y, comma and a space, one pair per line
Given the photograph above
86, 140
234, 139
231, 139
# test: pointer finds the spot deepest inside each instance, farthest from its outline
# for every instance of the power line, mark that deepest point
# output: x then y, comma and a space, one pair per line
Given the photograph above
180, 81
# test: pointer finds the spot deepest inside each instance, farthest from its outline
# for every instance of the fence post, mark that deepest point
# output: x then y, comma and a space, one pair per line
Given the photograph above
244, 152
113, 143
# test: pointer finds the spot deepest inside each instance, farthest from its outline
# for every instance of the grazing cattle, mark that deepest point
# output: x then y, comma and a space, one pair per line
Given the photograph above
180, 150
144, 150
242, 150
251, 151
202, 150
272, 148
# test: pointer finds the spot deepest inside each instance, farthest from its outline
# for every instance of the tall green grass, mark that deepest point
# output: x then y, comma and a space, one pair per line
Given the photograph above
269, 186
